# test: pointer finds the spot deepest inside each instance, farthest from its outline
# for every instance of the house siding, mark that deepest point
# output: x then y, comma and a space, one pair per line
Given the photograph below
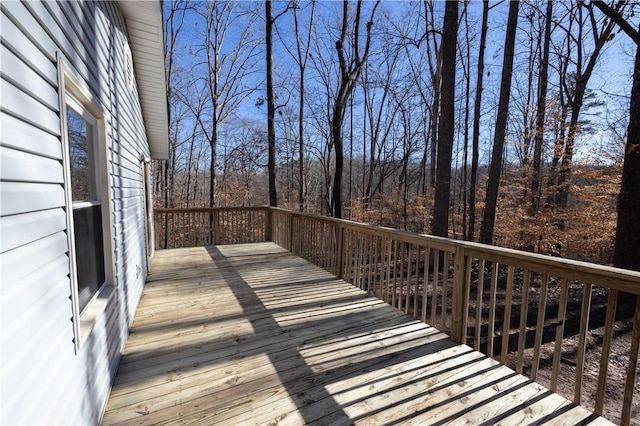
44, 379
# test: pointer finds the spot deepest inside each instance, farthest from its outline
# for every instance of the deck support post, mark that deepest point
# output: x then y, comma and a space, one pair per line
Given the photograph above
458, 323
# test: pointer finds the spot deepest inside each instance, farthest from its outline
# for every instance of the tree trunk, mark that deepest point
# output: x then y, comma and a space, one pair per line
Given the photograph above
271, 110
627, 242
440, 225
476, 123
536, 170
350, 71
493, 184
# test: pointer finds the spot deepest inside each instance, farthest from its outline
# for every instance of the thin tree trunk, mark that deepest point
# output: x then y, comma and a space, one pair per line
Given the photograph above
440, 225
476, 123
493, 184
536, 170
271, 110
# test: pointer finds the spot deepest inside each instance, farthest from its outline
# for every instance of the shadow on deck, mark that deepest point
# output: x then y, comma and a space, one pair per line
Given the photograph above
250, 334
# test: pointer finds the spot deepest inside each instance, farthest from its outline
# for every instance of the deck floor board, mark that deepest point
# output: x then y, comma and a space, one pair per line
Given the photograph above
250, 334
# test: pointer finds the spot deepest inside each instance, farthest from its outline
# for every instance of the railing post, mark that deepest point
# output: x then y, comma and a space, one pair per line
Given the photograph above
458, 323
290, 234
216, 227
268, 225
340, 252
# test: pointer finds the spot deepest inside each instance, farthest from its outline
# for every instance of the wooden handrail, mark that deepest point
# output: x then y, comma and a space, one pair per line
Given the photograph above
621, 279
432, 279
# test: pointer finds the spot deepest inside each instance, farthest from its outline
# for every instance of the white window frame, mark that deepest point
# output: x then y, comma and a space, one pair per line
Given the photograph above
73, 91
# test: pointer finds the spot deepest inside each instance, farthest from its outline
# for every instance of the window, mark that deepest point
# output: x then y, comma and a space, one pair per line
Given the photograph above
87, 205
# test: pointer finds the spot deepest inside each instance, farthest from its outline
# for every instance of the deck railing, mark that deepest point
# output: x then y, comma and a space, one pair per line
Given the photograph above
548, 318
175, 228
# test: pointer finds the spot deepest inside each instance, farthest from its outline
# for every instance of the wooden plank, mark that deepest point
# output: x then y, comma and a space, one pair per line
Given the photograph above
612, 302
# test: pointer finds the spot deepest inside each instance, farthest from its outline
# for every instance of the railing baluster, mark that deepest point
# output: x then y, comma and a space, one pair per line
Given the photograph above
609, 322
425, 283
387, 296
403, 259
524, 312
396, 253
542, 306
492, 308
582, 344
467, 295
632, 367
417, 307
506, 325
557, 352
434, 280
407, 301
479, 290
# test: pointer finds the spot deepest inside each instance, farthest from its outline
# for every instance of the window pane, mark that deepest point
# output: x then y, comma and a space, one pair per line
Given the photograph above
81, 158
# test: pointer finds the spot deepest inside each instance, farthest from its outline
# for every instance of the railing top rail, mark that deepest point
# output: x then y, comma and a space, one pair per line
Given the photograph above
209, 209
620, 279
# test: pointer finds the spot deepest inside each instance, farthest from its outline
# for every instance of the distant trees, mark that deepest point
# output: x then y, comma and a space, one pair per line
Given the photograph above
379, 104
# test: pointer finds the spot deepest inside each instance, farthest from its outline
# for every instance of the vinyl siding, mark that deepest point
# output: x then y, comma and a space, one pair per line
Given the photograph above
43, 379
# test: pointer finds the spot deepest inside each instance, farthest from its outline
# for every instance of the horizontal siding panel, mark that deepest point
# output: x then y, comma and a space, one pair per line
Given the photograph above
24, 137
73, 49
42, 306
18, 198
23, 76
28, 109
21, 229
33, 287
21, 45
26, 167
17, 264
38, 349
30, 27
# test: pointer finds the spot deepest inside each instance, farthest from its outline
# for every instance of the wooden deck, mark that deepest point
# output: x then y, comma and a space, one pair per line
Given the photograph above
250, 334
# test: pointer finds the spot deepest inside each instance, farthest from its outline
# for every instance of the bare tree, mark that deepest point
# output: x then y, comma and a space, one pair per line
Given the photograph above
226, 80
350, 69
477, 104
440, 225
575, 86
493, 184
271, 109
538, 138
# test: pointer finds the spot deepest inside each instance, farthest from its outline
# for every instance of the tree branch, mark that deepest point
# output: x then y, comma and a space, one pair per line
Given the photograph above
618, 19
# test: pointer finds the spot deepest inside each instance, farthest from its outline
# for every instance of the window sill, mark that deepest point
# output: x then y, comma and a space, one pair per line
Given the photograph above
94, 309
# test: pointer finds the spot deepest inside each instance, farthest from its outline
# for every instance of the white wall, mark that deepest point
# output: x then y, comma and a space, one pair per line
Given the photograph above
43, 379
